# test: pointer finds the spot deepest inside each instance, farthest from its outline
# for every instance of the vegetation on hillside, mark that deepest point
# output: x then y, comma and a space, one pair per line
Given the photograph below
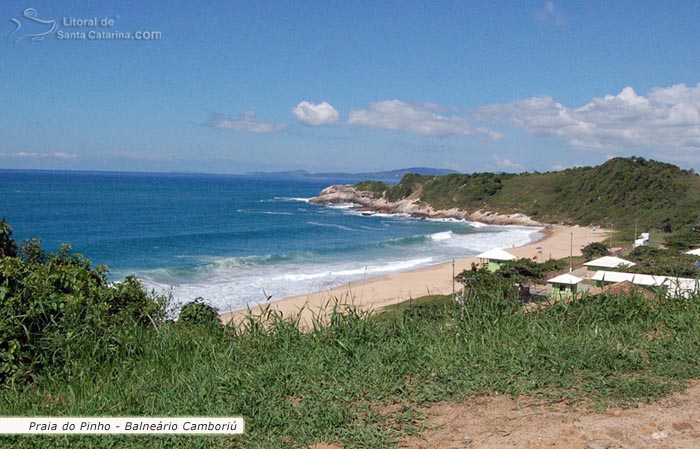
621, 192
377, 187
687, 237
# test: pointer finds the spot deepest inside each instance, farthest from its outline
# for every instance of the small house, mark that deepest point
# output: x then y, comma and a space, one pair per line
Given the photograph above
607, 263
682, 287
494, 258
564, 285
603, 277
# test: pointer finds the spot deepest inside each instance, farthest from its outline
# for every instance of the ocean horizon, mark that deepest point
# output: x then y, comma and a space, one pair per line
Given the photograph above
234, 240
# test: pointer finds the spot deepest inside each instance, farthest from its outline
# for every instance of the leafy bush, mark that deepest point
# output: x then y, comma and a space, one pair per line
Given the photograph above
523, 270
198, 313
30, 251
480, 280
8, 247
595, 250
52, 306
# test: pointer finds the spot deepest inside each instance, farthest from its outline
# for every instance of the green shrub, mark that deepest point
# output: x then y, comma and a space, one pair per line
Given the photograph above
199, 313
595, 250
8, 247
55, 306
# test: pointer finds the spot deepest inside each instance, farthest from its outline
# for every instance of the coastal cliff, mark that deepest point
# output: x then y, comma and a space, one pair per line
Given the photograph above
623, 193
372, 202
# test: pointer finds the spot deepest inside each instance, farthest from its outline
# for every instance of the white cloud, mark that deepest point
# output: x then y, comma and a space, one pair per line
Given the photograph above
507, 164
316, 114
550, 15
246, 122
37, 155
28, 154
668, 119
62, 155
420, 119
557, 167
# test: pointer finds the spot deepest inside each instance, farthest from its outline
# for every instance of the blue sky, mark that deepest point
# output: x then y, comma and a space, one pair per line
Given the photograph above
231, 87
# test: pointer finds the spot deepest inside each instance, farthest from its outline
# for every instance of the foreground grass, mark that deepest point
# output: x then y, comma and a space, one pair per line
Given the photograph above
361, 381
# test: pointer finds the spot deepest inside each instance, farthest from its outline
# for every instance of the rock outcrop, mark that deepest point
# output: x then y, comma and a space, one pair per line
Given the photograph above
370, 202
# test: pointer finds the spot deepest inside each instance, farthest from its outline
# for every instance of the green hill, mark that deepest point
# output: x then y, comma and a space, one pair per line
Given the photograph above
618, 192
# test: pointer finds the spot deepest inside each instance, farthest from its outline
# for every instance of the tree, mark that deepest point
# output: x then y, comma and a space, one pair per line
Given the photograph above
595, 250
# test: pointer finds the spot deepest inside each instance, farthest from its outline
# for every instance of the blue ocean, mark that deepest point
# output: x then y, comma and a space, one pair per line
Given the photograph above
233, 240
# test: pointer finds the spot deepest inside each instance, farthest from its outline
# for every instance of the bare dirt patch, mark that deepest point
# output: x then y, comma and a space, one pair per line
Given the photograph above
502, 422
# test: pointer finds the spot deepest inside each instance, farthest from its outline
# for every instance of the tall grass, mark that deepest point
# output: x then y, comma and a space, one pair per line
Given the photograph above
361, 381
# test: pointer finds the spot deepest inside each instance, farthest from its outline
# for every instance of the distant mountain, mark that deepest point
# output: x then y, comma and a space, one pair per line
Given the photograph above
389, 177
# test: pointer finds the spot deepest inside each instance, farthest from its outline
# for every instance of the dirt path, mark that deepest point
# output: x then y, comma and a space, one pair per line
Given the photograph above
501, 422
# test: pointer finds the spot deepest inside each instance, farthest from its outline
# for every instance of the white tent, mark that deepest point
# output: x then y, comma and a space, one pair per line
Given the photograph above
694, 252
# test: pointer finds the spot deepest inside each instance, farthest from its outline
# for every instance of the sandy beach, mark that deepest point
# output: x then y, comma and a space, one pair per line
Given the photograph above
374, 293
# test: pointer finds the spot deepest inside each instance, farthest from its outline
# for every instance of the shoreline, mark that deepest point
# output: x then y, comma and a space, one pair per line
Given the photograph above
374, 293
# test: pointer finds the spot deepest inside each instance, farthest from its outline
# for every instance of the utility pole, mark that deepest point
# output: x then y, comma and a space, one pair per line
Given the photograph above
571, 254
453, 279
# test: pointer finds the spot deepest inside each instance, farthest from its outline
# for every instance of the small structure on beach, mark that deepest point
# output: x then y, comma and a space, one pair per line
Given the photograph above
643, 240
603, 277
494, 258
671, 287
564, 285
607, 263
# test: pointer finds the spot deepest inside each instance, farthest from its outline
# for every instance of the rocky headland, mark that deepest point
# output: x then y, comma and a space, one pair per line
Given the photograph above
371, 202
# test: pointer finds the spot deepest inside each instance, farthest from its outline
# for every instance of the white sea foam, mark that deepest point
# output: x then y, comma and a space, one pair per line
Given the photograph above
360, 270
278, 199
383, 215
262, 212
442, 235
344, 206
476, 224
330, 225
234, 283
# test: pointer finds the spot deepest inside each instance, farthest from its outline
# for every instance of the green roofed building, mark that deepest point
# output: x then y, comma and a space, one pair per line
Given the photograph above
564, 285
494, 258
